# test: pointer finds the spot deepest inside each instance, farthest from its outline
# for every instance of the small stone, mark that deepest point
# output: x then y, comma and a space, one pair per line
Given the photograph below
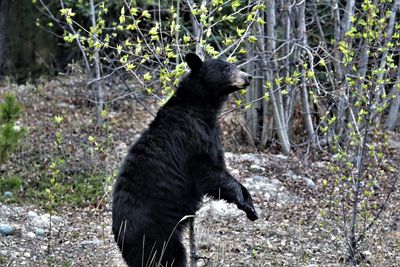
39, 232
8, 194
42, 221
309, 182
27, 254
31, 235
6, 229
91, 242
32, 214
280, 156
255, 167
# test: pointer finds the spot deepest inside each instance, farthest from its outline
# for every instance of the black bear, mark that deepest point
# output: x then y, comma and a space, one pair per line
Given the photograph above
175, 162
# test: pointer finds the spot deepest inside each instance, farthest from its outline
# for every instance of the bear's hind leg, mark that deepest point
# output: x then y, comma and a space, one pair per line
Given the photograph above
148, 253
174, 255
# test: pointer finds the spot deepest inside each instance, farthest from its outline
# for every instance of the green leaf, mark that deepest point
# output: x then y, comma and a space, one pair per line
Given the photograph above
235, 4
186, 39
252, 39
122, 16
231, 59
133, 11
58, 119
240, 31
146, 14
147, 76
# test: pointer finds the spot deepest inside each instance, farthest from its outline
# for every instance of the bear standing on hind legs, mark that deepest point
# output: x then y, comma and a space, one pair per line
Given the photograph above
175, 162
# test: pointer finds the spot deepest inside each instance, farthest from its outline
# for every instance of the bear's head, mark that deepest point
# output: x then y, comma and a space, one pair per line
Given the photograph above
211, 81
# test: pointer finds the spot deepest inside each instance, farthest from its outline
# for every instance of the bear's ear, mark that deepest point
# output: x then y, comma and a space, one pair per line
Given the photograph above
193, 61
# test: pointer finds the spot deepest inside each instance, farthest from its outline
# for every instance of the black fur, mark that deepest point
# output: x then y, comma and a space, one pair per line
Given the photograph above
177, 161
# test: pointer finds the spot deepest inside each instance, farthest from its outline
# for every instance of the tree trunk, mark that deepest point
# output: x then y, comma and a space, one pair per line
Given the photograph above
341, 69
197, 31
97, 74
393, 116
275, 93
301, 18
380, 87
251, 113
192, 243
336, 30
347, 18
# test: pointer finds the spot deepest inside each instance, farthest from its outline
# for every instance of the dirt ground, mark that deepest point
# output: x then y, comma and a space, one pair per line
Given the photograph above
287, 191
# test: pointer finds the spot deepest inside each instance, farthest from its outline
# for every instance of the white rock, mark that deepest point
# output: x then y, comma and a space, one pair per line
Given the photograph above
309, 182
218, 209
40, 232
257, 168
32, 214
43, 221
95, 242
280, 156
6, 229
8, 194
31, 235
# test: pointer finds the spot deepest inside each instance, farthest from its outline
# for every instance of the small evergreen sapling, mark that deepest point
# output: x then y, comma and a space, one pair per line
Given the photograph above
10, 132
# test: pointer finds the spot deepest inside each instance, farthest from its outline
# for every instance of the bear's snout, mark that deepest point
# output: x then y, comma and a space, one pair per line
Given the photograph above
249, 78
242, 79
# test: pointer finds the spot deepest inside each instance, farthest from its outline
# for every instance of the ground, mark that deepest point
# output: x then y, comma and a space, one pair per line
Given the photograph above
287, 191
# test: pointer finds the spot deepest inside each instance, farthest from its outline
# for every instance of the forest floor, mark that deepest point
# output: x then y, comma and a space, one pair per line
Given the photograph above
288, 192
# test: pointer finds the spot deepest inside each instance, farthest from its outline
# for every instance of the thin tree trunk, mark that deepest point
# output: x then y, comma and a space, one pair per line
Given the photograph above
262, 72
98, 83
192, 243
286, 70
357, 188
338, 67
290, 100
380, 88
347, 18
340, 35
393, 116
363, 66
336, 30
197, 31
275, 93
301, 8
177, 49
362, 71
251, 113
4, 6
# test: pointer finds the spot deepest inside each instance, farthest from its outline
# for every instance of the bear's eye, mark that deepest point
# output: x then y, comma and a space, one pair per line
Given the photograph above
228, 69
